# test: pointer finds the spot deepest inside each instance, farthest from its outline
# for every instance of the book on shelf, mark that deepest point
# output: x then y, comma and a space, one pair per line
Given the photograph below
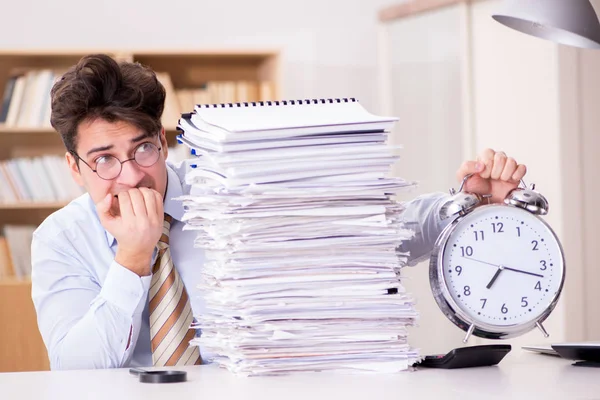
25, 102
172, 109
215, 92
36, 179
6, 267
46, 179
15, 251
26, 99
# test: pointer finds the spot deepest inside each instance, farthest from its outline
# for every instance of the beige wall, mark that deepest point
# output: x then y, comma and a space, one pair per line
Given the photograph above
589, 84
422, 69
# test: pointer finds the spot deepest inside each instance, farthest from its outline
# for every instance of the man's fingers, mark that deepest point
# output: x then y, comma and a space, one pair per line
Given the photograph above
469, 167
487, 158
137, 202
498, 166
509, 169
104, 206
125, 205
159, 203
520, 172
150, 203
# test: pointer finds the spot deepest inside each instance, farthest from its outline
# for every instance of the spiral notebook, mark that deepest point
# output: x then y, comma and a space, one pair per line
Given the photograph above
241, 122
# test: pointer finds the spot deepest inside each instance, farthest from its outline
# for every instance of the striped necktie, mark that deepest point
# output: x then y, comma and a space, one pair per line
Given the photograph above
170, 310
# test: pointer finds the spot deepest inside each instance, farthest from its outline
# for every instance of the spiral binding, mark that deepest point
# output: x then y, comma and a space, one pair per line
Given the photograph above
278, 103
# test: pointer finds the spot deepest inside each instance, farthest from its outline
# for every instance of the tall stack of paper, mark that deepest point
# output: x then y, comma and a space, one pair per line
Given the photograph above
293, 203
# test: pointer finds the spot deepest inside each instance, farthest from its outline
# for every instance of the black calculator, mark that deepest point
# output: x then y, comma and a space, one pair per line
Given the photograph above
467, 357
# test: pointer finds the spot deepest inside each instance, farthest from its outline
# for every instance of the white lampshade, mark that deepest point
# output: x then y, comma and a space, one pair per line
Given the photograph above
569, 22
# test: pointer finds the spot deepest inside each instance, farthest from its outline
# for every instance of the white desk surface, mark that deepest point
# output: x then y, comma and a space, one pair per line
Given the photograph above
520, 375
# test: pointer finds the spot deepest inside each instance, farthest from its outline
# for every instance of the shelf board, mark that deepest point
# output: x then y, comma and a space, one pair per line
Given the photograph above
14, 281
25, 142
32, 206
27, 213
8, 130
207, 51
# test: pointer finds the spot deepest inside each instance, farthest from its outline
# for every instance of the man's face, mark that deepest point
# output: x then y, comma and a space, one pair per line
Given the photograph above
99, 139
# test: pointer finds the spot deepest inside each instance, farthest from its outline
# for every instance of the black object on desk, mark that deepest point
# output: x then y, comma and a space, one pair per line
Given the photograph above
159, 376
585, 354
592, 364
467, 357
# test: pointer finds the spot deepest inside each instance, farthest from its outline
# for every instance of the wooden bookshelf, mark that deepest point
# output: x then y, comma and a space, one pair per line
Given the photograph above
32, 206
27, 142
21, 346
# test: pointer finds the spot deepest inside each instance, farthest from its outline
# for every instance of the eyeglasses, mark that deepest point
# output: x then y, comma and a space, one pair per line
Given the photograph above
110, 167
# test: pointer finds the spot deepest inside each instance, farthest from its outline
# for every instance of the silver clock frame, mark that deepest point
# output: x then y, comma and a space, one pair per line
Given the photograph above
460, 317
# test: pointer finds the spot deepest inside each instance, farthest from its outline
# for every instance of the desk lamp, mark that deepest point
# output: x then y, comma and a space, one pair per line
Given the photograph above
568, 22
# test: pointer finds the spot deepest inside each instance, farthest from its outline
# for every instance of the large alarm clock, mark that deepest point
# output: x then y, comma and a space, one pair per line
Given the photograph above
497, 270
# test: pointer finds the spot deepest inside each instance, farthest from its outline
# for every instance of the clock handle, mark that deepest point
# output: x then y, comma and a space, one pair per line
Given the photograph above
462, 184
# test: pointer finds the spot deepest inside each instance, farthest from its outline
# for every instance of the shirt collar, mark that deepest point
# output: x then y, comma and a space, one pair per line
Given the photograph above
171, 206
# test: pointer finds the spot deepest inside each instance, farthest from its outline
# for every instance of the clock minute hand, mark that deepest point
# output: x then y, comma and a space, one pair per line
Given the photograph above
524, 272
483, 262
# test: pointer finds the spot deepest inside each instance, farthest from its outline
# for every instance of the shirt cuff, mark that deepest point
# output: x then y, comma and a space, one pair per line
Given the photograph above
441, 223
125, 289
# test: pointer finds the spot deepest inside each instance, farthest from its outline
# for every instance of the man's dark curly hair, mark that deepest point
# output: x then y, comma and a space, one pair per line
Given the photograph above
98, 87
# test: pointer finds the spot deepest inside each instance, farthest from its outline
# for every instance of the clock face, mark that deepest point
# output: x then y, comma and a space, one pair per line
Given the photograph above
503, 266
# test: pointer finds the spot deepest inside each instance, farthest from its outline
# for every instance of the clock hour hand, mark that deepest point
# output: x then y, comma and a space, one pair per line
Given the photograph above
489, 285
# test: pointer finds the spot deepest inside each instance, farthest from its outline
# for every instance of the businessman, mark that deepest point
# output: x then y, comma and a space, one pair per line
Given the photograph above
113, 273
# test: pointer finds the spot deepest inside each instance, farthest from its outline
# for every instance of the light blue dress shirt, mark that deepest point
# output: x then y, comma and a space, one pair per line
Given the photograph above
87, 304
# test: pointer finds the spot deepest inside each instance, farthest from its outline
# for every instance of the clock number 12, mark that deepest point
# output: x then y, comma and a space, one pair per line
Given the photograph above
498, 227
